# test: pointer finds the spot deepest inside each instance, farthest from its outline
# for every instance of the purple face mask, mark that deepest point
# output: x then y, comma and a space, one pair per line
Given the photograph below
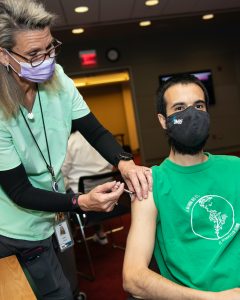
40, 73
37, 74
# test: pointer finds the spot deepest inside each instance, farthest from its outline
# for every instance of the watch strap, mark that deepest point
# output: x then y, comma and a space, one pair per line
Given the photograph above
74, 200
123, 156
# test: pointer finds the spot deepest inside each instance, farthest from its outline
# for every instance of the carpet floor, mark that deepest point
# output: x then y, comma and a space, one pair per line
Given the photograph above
107, 261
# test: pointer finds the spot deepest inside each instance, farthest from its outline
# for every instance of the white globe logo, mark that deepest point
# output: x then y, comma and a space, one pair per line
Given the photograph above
212, 217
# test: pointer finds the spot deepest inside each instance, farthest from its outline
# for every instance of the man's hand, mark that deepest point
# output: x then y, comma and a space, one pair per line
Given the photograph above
137, 178
102, 198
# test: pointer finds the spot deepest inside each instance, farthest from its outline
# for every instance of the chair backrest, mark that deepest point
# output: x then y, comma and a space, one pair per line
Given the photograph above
94, 180
124, 203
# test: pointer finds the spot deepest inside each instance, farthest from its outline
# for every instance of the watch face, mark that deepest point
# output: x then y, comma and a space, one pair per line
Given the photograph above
113, 54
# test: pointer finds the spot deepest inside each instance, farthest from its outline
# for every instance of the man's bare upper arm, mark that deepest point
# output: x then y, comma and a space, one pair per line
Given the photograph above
141, 237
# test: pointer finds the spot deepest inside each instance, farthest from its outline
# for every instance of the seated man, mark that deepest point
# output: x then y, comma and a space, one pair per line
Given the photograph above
191, 219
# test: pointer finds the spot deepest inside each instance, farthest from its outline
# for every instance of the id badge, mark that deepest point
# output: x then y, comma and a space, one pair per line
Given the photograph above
63, 235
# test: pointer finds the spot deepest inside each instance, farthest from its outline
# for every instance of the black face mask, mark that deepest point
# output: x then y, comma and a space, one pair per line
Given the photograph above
188, 130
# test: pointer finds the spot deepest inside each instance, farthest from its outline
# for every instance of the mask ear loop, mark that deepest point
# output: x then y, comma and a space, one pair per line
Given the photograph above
7, 64
10, 66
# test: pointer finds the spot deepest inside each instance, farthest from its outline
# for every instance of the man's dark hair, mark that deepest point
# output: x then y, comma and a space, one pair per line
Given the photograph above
177, 79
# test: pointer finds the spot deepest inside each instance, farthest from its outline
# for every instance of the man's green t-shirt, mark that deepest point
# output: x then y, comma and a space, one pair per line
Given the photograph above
197, 238
61, 103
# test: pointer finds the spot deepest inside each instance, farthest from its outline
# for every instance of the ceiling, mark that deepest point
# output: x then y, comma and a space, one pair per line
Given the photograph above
108, 12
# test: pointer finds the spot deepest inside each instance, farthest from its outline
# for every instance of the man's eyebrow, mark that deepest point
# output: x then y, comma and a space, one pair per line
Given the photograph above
178, 103
200, 101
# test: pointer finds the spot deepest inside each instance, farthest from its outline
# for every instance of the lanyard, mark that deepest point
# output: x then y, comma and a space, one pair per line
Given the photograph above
49, 166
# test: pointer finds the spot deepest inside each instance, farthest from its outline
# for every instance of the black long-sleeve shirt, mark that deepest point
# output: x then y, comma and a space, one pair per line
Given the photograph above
19, 189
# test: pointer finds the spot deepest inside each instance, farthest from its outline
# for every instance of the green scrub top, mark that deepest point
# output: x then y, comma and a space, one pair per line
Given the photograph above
61, 103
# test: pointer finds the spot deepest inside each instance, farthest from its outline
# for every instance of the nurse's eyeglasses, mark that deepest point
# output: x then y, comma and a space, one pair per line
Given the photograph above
40, 58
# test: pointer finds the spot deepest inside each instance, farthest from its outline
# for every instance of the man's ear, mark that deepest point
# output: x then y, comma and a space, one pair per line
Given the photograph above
162, 121
4, 58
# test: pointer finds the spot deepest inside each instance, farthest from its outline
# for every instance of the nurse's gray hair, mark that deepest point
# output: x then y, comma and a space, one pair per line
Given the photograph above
17, 16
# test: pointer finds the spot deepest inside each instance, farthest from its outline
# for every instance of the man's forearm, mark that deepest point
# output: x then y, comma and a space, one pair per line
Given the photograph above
146, 284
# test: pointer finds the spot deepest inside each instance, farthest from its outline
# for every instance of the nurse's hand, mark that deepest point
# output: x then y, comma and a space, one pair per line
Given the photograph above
102, 198
137, 178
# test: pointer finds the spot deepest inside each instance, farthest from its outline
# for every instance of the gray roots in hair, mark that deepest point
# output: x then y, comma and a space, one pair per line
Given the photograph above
17, 16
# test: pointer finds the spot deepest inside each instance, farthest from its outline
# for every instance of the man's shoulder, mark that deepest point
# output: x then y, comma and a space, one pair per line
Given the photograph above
226, 163
226, 158
156, 168
160, 166
158, 172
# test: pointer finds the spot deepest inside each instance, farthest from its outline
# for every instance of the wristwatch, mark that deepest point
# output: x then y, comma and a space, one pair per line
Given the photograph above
123, 156
74, 200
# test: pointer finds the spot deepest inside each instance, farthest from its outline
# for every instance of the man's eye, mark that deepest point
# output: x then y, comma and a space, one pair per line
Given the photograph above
179, 108
199, 106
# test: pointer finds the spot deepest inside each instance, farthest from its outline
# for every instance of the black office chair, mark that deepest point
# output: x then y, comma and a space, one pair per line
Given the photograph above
89, 219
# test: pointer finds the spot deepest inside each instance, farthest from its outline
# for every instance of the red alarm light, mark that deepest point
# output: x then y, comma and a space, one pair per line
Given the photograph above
88, 58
